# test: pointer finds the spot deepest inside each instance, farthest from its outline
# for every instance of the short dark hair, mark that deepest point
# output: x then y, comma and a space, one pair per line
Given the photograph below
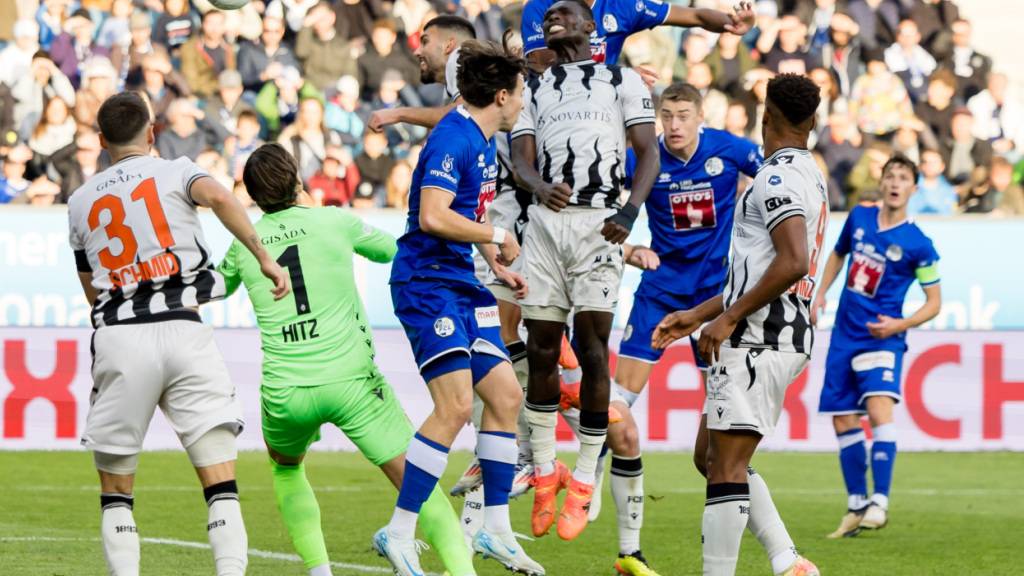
122, 117
795, 96
899, 159
491, 70
456, 24
247, 115
683, 92
271, 177
584, 7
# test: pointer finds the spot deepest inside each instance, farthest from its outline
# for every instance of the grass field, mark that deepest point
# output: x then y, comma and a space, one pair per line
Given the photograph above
954, 514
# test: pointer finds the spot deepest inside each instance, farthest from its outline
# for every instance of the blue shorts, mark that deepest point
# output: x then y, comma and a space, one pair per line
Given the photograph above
650, 306
852, 375
451, 325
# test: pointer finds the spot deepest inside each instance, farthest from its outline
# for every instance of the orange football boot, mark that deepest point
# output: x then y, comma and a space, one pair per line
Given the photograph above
545, 498
575, 510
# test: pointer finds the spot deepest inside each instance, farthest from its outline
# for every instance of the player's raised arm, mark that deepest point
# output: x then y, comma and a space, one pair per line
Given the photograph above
368, 241
208, 192
739, 21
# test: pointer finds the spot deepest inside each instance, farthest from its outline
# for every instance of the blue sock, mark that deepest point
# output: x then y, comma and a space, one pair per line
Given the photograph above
498, 454
883, 458
853, 460
425, 461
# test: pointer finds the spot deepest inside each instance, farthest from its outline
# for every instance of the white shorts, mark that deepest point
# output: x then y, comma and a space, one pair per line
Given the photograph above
568, 265
504, 212
746, 388
175, 365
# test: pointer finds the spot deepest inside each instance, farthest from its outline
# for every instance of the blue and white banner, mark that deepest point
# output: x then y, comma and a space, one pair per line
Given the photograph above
980, 267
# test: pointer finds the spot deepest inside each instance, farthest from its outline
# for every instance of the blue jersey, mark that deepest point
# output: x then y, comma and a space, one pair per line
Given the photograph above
690, 209
458, 159
616, 20
881, 267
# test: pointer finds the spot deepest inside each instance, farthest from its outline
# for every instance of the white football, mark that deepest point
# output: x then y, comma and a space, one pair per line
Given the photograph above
228, 4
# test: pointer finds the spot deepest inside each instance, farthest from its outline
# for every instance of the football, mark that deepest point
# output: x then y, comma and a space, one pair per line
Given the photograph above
228, 4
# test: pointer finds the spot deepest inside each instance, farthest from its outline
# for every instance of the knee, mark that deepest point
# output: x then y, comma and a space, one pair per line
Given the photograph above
455, 409
624, 439
509, 401
593, 357
543, 357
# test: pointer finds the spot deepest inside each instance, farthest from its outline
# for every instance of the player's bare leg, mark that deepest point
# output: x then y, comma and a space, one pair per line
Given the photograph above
853, 461
631, 376
727, 508
117, 525
542, 397
628, 491
883, 458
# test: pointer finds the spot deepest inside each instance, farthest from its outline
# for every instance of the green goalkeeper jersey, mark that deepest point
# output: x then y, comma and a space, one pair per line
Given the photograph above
319, 333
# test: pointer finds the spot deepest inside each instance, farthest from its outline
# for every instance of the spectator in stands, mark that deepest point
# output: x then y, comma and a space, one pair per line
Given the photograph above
16, 57
715, 103
818, 25
909, 60
55, 130
395, 92
355, 18
998, 119
784, 47
966, 157
115, 31
836, 198
243, 142
99, 82
222, 110
862, 183
384, 54
729, 61
78, 162
129, 61
174, 27
970, 66
650, 48
367, 197
182, 137
737, 122
878, 21
934, 18
879, 101
325, 53
278, 101
935, 195
374, 165
839, 145
162, 84
12, 181
206, 55
44, 81
1001, 194
51, 17
291, 12
907, 140
72, 48
413, 14
346, 114
842, 54
333, 185
936, 111
213, 163
307, 138
261, 61
8, 129
485, 17
830, 99
696, 48
756, 84
397, 187
41, 192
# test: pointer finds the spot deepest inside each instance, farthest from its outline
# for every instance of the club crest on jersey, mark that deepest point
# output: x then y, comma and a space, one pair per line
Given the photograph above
639, 5
774, 180
627, 332
858, 234
894, 252
448, 163
714, 166
610, 23
444, 327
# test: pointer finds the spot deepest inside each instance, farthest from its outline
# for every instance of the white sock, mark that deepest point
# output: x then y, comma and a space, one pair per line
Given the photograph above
496, 519
472, 515
725, 517
226, 529
120, 535
767, 526
592, 434
628, 492
627, 395
542, 419
881, 500
403, 523
321, 570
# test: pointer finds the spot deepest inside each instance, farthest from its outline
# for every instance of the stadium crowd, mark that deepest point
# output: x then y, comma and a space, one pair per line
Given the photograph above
895, 75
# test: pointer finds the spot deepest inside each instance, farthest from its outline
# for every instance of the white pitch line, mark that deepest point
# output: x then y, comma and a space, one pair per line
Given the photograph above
185, 488
266, 554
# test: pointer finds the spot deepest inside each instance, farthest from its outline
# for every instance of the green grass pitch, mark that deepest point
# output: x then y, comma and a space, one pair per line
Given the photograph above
952, 514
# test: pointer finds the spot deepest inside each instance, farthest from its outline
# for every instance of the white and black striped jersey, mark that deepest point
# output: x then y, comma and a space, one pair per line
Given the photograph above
134, 227
578, 113
788, 184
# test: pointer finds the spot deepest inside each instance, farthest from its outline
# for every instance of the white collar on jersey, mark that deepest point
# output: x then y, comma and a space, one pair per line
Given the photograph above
783, 150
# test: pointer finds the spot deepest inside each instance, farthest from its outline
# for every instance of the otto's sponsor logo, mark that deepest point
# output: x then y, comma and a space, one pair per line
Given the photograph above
693, 210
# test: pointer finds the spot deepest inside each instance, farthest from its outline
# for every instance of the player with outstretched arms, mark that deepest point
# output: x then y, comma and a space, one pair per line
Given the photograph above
568, 149
450, 318
759, 337
145, 267
318, 354
887, 253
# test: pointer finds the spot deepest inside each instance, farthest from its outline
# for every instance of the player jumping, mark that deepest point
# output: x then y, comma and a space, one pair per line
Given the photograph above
573, 129
865, 356
318, 354
759, 338
450, 318
144, 265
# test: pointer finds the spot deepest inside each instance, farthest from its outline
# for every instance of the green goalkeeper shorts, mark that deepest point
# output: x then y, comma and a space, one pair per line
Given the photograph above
366, 411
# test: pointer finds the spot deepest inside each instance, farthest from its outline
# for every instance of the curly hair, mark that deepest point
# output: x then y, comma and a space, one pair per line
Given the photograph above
795, 96
485, 69
271, 177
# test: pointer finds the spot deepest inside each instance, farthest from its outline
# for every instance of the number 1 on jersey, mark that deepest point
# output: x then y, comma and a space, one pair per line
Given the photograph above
290, 259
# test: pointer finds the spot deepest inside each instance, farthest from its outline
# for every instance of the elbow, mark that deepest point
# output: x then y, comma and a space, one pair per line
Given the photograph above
797, 269
428, 222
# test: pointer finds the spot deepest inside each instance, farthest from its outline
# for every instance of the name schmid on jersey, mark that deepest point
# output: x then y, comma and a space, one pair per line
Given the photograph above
789, 184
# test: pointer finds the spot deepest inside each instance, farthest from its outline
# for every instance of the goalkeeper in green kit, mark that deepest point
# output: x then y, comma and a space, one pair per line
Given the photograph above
318, 354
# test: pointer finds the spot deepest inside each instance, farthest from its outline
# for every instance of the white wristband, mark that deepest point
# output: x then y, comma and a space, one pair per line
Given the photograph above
499, 236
